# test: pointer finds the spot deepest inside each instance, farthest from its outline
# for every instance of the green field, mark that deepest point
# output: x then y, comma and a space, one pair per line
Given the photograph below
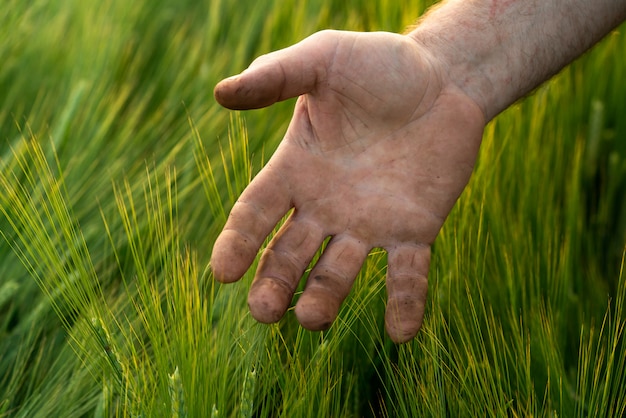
117, 172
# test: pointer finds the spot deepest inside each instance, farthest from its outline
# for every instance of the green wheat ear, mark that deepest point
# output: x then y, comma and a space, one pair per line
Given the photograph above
105, 341
121, 386
247, 394
177, 397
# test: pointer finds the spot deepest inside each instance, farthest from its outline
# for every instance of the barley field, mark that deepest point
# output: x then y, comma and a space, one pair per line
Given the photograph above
117, 172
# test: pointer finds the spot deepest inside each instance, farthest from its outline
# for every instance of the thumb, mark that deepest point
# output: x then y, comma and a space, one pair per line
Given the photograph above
277, 76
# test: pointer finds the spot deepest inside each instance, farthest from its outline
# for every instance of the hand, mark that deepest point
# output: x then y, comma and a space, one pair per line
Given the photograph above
380, 146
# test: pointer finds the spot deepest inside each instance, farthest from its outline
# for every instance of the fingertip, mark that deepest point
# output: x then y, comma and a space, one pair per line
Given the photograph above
228, 93
218, 91
231, 257
316, 311
330, 281
268, 300
257, 87
403, 318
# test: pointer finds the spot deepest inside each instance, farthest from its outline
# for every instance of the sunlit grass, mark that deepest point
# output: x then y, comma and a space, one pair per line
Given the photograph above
117, 171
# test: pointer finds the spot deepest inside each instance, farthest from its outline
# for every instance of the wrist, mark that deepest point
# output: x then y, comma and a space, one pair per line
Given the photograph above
471, 54
459, 73
497, 52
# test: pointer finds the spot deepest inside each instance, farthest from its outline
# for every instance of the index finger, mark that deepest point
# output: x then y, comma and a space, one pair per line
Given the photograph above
257, 211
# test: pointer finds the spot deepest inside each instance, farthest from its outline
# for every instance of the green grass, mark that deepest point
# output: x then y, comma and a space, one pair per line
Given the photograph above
117, 171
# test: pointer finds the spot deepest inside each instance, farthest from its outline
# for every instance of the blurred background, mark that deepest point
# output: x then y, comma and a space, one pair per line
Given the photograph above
117, 171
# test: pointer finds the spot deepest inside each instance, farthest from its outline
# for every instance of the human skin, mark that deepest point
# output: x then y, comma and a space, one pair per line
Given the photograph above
383, 140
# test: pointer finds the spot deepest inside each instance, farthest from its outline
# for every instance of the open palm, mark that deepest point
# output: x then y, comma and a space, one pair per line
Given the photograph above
380, 146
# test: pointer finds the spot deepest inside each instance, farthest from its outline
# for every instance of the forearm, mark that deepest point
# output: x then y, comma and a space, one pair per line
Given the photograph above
497, 51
